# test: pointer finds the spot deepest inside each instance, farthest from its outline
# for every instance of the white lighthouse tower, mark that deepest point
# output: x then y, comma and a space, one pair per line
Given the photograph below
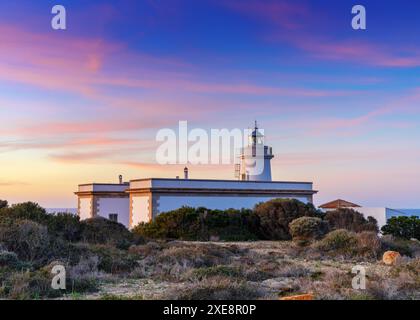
255, 158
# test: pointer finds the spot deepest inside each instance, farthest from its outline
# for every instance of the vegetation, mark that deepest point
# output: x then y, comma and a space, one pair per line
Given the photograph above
306, 229
351, 220
201, 224
340, 242
32, 241
403, 227
104, 260
3, 204
274, 217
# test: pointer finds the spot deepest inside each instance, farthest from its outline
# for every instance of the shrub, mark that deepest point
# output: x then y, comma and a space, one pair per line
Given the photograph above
28, 239
175, 259
368, 244
220, 270
405, 247
345, 243
219, 288
200, 224
403, 227
110, 259
180, 224
338, 242
63, 225
305, 229
3, 204
29, 285
103, 231
351, 220
25, 211
275, 216
66, 226
9, 259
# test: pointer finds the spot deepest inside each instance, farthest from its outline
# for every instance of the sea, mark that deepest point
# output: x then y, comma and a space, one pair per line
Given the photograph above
66, 210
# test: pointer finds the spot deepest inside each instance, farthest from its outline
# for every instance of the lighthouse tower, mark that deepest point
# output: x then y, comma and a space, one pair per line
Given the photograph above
255, 158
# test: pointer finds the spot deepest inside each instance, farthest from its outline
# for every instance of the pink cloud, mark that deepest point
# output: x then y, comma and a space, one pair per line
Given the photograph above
357, 51
304, 28
408, 103
339, 156
85, 66
287, 14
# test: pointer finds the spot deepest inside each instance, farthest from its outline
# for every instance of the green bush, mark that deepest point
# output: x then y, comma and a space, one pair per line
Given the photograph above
339, 241
63, 225
9, 259
103, 231
28, 239
268, 221
369, 245
66, 226
274, 217
177, 224
25, 211
3, 204
220, 270
110, 259
406, 247
403, 227
219, 288
200, 224
29, 285
351, 220
349, 244
305, 229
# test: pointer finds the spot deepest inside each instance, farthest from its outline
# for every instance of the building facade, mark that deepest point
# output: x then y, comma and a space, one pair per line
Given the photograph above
144, 199
105, 200
381, 214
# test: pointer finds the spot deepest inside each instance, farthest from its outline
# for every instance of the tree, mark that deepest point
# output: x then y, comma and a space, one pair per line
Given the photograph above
275, 215
351, 220
403, 227
3, 204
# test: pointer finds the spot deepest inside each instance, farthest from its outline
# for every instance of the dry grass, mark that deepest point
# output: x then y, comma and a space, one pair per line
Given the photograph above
254, 270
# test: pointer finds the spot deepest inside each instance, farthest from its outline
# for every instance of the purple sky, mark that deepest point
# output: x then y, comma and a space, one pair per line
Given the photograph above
340, 107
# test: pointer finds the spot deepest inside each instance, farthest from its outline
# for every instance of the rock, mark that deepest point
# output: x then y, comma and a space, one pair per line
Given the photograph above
391, 257
306, 296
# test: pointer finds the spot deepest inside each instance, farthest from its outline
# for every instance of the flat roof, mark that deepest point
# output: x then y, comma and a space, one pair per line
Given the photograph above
102, 187
212, 184
220, 180
104, 184
196, 185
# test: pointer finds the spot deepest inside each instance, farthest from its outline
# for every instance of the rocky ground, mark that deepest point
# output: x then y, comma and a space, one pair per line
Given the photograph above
254, 270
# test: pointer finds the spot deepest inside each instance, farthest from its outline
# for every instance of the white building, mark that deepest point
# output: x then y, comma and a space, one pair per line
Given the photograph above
381, 214
255, 159
143, 199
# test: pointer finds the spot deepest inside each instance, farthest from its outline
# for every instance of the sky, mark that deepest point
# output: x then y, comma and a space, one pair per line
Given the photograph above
340, 107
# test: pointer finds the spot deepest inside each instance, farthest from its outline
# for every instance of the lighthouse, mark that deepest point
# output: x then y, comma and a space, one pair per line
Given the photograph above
254, 159
142, 200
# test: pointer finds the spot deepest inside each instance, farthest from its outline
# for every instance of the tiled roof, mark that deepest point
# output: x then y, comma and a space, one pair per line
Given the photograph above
339, 203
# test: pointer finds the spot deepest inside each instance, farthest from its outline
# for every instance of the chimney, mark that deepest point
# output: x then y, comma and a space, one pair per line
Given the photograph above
120, 179
185, 173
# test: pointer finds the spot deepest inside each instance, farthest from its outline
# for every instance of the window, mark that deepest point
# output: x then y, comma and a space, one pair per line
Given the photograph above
113, 217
